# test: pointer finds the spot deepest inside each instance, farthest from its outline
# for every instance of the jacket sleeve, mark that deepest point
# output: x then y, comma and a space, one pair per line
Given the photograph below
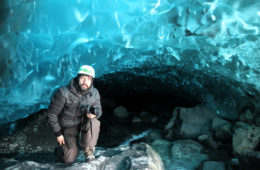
98, 105
55, 108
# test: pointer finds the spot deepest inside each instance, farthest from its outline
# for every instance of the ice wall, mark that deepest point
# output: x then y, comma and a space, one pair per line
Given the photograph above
43, 42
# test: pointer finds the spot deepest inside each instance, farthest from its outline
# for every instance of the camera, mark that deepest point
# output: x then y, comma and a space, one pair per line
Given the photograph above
89, 109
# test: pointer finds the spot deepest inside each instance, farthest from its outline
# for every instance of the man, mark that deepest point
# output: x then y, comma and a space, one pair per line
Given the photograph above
74, 110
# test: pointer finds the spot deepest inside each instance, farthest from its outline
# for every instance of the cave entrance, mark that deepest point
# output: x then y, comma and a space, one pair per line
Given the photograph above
146, 111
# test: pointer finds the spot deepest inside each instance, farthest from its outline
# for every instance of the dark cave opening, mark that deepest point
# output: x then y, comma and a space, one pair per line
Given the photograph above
137, 94
115, 130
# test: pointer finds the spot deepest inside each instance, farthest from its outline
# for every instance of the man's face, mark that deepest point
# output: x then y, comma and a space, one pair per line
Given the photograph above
85, 82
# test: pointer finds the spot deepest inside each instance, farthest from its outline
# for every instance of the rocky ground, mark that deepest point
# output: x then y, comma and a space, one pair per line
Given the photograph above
153, 137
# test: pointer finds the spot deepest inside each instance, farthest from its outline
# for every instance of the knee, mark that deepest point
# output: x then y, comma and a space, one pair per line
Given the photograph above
71, 156
70, 160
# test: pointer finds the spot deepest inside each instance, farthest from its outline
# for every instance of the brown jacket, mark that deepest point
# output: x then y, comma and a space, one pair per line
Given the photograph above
66, 105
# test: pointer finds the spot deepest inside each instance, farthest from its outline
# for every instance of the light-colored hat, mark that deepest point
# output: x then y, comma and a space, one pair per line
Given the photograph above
87, 70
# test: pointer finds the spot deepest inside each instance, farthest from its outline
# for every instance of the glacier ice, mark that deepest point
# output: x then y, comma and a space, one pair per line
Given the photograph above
43, 42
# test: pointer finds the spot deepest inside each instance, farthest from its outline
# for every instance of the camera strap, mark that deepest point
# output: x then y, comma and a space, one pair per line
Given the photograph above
81, 129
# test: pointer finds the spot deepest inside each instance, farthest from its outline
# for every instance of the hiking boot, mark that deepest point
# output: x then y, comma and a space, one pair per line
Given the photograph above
58, 154
89, 154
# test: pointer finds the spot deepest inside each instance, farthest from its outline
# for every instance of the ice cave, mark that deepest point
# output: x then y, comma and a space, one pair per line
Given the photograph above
179, 81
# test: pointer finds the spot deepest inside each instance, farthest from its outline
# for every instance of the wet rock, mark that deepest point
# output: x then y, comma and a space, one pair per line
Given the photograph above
239, 125
162, 147
192, 122
210, 165
234, 162
208, 140
172, 129
195, 121
150, 160
224, 133
245, 138
222, 129
217, 123
120, 112
187, 154
246, 117
183, 148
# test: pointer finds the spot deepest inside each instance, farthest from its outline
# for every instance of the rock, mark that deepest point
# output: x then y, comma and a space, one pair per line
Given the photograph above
217, 123
172, 121
148, 117
249, 160
234, 162
120, 112
150, 160
30, 133
154, 119
183, 148
222, 129
136, 120
246, 117
245, 138
224, 133
187, 154
208, 140
210, 165
172, 129
194, 121
239, 125
163, 147
138, 156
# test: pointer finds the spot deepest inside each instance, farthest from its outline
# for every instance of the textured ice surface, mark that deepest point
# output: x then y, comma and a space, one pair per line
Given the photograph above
43, 43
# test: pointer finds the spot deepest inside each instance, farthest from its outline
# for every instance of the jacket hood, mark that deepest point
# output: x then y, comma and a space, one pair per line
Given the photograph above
74, 88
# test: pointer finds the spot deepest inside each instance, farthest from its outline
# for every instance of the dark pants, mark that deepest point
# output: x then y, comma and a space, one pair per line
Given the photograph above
89, 136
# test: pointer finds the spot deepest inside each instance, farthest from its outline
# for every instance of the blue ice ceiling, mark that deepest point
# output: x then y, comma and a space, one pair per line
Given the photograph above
43, 42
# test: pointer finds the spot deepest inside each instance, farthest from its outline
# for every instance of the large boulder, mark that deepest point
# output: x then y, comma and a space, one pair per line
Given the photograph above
190, 122
120, 112
246, 138
187, 154
184, 148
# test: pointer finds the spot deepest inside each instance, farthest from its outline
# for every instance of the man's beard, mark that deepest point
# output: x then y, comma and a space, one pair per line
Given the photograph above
84, 87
